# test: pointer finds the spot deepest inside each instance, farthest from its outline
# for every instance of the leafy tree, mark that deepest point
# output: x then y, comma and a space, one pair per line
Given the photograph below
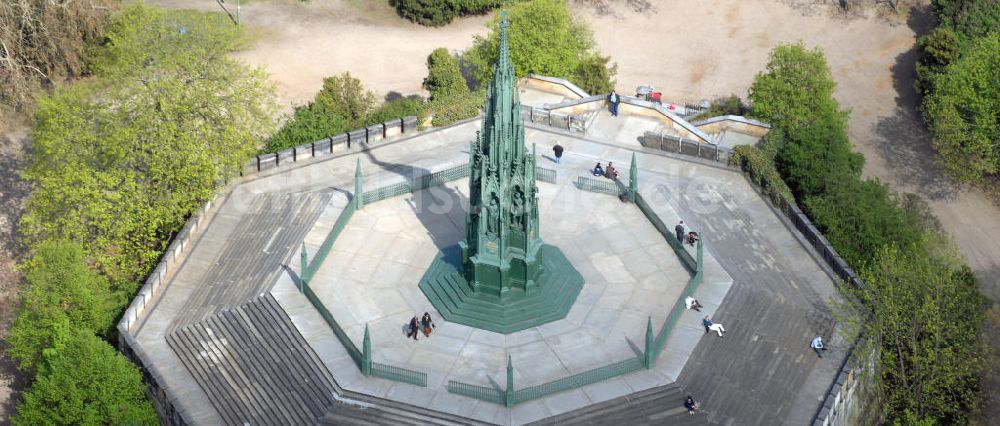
937, 50
817, 157
970, 18
925, 314
436, 13
964, 111
796, 90
118, 164
726, 105
860, 217
60, 288
42, 42
544, 39
85, 381
444, 77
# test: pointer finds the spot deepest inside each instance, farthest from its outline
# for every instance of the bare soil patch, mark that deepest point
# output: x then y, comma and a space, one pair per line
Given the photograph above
13, 192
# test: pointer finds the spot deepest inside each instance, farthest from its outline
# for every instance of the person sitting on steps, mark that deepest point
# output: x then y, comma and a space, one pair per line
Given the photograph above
693, 303
610, 172
598, 170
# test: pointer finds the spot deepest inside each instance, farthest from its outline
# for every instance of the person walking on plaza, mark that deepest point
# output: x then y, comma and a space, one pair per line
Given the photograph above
558, 150
693, 303
614, 100
711, 326
679, 229
426, 324
414, 328
817, 345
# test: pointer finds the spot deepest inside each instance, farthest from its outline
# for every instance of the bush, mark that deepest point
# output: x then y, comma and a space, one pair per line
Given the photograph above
342, 105
85, 381
436, 13
937, 50
970, 18
444, 77
595, 74
59, 288
456, 108
728, 105
762, 172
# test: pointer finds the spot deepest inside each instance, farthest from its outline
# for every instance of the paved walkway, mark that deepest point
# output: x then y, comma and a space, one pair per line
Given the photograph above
762, 369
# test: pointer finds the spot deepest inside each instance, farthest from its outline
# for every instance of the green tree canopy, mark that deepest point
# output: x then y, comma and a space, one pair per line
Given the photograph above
85, 381
964, 111
796, 90
544, 39
436, 13
59, 287
937, 49
121, 162
926, 313
971, 18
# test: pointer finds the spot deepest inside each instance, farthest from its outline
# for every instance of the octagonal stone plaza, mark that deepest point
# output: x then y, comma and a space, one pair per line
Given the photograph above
228, 338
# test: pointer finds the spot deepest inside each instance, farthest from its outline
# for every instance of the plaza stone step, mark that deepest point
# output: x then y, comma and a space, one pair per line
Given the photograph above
448, 290
662, 405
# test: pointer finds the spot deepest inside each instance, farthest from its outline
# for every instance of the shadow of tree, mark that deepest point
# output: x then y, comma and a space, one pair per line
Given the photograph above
902, 139
13, 193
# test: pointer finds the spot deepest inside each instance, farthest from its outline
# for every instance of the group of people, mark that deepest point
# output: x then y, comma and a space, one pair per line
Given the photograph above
423, 324
610, 172
691, 237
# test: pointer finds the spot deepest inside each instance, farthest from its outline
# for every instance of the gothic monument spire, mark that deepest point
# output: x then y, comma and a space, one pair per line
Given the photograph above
501, 250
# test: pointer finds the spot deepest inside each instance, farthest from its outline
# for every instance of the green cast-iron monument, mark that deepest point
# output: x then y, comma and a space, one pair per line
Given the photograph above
507, 279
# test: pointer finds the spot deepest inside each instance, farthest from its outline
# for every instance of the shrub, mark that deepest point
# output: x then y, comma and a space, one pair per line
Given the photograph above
456, 108
444, 77
937, 50
595, 74
727, 105
60, 287
85, 381
436, 13
762, 172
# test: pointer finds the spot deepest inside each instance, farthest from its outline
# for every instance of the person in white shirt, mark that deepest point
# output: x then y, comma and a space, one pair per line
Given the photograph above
817, 345
693, 303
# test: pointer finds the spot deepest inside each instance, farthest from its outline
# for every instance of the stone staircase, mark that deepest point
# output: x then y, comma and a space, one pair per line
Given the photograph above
663, 405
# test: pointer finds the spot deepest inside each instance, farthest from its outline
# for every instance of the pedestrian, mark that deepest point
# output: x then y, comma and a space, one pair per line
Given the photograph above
426, 324
611, 172
598, 170
693, 303
691, 405
679, 229
614, 100
711, 326
414, 328
817, 345
558, 150
692, 238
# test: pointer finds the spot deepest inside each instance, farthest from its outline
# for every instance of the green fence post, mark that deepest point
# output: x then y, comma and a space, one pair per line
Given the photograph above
359, 195
366, 354
649, 342
699, 268
633, 180
304, 258
509, 396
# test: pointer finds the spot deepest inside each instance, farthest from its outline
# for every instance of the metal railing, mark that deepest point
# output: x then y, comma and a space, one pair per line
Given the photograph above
545, 175
653, 345
694, 148
399, 374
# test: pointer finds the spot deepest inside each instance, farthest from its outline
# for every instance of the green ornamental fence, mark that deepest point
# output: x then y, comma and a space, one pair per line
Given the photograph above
545, 175
510, 396
653, 345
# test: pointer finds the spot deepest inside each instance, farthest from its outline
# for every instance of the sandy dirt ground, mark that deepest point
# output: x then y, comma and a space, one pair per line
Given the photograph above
689, 50
12, 193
